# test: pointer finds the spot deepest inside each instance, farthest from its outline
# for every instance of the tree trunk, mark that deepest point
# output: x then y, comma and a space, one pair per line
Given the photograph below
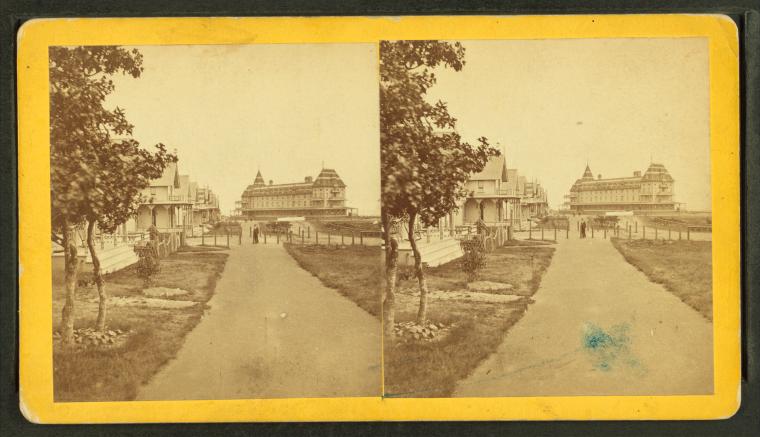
98, 276
391, 273
71, 262
418, 271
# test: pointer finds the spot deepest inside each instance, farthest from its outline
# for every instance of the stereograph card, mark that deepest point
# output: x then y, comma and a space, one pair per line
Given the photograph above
369, 219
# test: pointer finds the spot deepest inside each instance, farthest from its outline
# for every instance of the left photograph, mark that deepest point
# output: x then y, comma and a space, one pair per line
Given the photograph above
215, 222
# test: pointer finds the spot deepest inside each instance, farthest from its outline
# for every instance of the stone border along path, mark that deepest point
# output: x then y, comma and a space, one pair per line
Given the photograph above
598, 327
273, 331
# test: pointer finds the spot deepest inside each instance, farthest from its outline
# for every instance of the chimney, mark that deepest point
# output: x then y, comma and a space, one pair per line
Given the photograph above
637, 174
308, 179
599, 176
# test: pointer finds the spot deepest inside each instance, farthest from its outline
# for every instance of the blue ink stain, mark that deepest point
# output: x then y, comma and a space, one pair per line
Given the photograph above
608, 348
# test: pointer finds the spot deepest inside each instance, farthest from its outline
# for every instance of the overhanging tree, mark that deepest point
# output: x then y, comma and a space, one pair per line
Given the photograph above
424, 161
123, 170
94, 178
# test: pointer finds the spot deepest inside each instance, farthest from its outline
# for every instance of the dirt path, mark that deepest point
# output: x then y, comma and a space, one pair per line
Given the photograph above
273, 331
599, 327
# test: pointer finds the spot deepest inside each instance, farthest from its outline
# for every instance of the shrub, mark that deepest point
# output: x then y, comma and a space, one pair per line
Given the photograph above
474, 258
148, 263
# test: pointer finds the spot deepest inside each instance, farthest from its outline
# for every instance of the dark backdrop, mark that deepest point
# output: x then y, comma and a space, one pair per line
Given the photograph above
746, 13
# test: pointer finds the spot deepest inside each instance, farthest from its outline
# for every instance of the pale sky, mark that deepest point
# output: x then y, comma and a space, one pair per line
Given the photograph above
283, 109
556, 104
552, 104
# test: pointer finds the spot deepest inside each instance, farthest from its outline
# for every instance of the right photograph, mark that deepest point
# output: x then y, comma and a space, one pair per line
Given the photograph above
547, 219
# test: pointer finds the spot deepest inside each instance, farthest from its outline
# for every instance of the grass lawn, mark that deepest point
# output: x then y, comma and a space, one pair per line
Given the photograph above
354, 271
432, 369
683, 267
346, 227
115, 374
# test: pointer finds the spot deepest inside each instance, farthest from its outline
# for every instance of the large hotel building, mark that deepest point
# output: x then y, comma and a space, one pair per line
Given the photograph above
324, 196
651, 192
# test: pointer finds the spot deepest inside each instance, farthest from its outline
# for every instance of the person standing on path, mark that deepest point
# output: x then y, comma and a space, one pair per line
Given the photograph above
255, 234
583, 229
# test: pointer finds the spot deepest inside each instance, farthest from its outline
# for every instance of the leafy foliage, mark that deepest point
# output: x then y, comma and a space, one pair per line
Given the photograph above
424, 160
148, 262
97, 170
474, 258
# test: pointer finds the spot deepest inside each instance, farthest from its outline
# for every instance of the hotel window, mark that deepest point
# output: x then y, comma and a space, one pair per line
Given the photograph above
480, 185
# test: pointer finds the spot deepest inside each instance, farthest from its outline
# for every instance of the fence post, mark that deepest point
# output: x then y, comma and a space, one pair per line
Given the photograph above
361, 238
341, 239
688, 234
203, 238
605, 232
567, 231
316, 237
655, 232
668, 233
555, 232
530, 233
542, 233
240, 238
228, 238
265, 237
592, 231
353, 235
214, 238
278, 237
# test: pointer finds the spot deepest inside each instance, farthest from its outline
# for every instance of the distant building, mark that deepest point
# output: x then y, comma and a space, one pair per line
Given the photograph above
164, 205
498, 194
205, 206
652, 192
173, 201
324, 196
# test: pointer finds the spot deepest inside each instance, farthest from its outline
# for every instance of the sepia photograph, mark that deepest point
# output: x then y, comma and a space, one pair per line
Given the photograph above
418, 218
547, 216
215, 222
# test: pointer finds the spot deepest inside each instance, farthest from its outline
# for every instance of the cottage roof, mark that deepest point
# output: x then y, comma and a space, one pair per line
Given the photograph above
496, 168
184, 183
170, 177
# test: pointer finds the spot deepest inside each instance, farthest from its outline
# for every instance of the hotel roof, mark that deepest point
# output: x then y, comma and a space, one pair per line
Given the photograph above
328, 178
657, 172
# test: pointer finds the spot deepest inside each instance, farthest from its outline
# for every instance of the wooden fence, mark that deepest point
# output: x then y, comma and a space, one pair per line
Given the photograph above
321, 238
